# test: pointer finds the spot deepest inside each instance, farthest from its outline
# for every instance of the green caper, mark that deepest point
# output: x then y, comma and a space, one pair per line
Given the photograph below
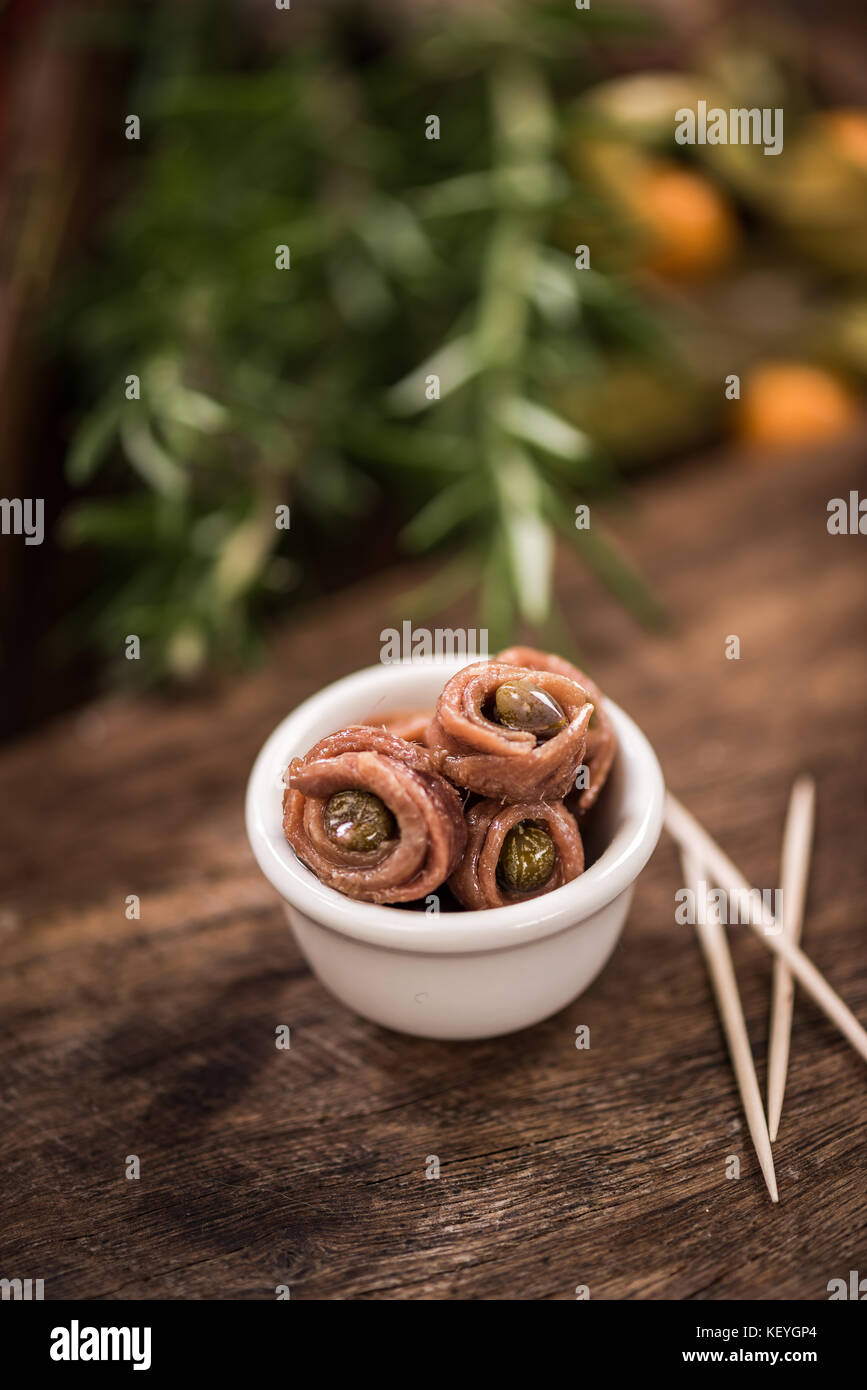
357, 820
522, 705
527, 858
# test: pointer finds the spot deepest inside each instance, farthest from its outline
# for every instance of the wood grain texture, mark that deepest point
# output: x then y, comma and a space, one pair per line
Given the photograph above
559, 1167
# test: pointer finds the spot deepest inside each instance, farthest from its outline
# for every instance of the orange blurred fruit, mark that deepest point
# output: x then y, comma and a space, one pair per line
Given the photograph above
847, 130
790, 403
692, 230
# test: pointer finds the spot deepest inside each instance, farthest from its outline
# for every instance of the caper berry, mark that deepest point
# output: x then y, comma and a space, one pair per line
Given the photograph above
522, 705
357, 820
527, 858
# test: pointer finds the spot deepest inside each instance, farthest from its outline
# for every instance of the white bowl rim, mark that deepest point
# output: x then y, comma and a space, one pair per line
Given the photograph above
447, 932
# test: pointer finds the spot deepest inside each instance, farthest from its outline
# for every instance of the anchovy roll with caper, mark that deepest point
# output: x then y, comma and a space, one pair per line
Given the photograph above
601, 739
508, 732
516, 852
371, 816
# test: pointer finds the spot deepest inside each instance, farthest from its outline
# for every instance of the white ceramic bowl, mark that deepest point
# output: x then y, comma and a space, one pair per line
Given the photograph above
456, 974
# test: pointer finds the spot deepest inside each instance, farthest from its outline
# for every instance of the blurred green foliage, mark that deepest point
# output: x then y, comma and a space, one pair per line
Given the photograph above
306, 386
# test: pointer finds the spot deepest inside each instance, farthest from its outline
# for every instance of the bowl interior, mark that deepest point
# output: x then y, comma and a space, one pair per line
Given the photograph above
621, 833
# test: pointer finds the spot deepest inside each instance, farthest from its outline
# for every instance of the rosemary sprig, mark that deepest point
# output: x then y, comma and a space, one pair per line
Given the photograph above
262, 388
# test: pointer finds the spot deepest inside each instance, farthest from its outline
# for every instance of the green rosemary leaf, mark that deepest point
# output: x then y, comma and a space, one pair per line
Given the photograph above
151, 461
424, 450
544, 429
449, 582
443, 514
602, 554
528, 539
496, 605
92, 442
450, 368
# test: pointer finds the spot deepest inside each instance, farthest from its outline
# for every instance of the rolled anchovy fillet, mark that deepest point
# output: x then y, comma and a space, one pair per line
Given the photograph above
408, 724
476, 882
601, 739
484, 756
430, 834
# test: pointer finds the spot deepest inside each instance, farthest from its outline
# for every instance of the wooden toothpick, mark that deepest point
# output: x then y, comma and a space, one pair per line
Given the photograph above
686, 830
794, 873
715, 948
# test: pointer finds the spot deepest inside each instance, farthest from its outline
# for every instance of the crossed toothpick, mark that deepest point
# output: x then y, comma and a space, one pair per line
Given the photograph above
701, 855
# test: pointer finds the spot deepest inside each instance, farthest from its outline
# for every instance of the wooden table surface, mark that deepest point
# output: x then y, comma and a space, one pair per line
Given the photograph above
604, 1167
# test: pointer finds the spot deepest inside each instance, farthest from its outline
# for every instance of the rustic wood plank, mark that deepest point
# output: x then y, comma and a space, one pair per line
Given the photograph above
603, 1167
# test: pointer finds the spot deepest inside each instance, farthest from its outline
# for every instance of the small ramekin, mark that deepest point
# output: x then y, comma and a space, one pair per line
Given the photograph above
455, 974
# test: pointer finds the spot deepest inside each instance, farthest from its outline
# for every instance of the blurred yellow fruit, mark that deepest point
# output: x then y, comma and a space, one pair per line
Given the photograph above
847, 130
691, 227
790, 403
640, 107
